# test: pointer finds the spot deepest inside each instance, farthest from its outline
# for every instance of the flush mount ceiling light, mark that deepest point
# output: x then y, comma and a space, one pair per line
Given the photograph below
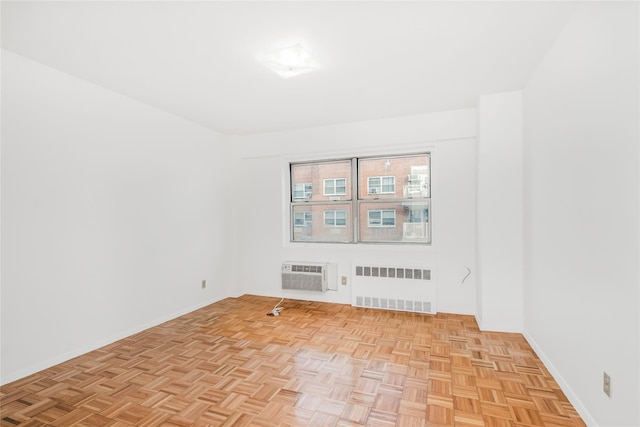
290, 61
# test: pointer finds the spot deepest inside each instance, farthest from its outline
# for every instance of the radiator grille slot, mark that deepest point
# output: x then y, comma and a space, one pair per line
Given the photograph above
393, 304
393, 272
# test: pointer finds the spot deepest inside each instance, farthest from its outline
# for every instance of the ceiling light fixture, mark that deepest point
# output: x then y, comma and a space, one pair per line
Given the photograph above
290, 62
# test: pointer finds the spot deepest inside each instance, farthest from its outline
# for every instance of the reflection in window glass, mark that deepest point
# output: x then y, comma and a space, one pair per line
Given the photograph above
397, 221
389, 202
302, 219
302, 191
395, 177
335, 218
382, 185
382, 218
332, 222
335, 186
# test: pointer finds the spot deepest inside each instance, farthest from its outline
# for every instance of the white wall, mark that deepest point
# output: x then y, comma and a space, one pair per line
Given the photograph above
263, 245
499, 220
111, 216
581, 211
113, 212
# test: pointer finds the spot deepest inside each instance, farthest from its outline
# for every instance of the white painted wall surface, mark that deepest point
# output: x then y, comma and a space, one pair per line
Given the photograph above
499, 221
581, 211
261, 230
112, 214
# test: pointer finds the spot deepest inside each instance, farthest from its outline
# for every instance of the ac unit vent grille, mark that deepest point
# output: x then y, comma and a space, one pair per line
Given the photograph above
306, 268
305, 276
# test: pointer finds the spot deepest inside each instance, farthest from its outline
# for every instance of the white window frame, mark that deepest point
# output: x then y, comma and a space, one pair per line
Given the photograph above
377, 189
382, 218
302, 188
335, 218
335, 193
305, 222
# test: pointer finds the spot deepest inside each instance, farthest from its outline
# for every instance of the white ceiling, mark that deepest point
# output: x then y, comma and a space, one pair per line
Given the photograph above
378, 59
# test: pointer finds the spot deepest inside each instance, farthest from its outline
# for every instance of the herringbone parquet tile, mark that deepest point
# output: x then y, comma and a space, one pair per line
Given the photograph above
317, 364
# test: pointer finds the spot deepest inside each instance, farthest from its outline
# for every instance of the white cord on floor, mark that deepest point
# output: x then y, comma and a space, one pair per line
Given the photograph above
276, 310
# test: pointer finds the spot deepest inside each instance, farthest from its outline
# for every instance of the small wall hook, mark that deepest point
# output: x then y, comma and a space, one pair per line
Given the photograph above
468, 274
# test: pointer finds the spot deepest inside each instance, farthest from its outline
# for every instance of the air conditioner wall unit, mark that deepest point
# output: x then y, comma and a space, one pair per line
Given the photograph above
309, 276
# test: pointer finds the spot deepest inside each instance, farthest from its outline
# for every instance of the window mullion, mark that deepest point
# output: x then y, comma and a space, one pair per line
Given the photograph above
355, 200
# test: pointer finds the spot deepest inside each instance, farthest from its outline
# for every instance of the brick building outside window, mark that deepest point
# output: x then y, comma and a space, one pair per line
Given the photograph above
374, 200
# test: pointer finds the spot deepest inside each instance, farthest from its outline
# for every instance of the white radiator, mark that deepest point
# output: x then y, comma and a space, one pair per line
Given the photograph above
309, 276
406, 288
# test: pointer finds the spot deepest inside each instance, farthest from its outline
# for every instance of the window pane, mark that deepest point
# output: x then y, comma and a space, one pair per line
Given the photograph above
329, 218
402, 221
374, 218
302, 191
329, 186
374, 185
302, 219
335, 186
326, 223
322, 181
389, 184
382, 218
395, 177
382, 184
388, 218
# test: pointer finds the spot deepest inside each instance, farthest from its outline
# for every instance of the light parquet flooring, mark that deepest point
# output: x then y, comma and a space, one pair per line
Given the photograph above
318, 364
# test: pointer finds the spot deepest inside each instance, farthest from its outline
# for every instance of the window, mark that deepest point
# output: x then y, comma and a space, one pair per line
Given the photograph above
335, 218
382, 218
302, 191
335, 186
417, 183
363, 200
302, 219
382, 184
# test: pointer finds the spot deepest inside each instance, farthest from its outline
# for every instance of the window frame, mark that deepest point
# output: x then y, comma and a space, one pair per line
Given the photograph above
382, 218
335, 193
306, 193
382, 185
305, 222
356, 195
335, 218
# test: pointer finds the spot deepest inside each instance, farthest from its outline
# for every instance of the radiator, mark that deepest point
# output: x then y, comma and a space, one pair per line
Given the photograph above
309, 276
405, 288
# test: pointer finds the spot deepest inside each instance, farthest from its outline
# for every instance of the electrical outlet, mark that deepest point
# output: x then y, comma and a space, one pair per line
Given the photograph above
204, 284
344, 280
606, 384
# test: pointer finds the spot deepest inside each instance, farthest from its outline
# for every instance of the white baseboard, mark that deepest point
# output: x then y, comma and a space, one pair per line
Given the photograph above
512, 327
566, 388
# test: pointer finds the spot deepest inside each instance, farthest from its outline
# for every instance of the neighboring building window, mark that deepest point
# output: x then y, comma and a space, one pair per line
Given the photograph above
302, 191
417, 184
382, 218
335, 187
335, 218
302, 219
381, 184
377, 200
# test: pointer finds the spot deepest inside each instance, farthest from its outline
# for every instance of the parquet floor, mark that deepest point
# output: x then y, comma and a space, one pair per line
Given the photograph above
318, 364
